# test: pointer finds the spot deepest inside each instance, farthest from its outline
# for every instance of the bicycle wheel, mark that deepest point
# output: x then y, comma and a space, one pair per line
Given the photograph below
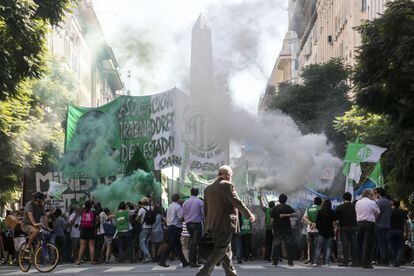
25, 258
46, 257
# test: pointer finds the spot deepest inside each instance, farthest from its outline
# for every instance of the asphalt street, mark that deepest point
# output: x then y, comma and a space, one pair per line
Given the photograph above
250, 268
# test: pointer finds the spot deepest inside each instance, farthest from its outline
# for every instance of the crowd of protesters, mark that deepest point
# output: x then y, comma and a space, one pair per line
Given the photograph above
372, 230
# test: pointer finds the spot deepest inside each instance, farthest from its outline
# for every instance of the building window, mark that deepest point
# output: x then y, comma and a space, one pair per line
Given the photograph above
363, 5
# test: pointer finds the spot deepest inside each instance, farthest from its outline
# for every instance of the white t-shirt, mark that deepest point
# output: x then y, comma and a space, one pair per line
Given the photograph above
75, 231
366, 210
141, 215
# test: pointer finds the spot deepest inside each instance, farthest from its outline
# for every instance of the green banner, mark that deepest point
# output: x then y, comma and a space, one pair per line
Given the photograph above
126, 134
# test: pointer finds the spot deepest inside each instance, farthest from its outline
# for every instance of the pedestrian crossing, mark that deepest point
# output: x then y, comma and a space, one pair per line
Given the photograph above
69, 269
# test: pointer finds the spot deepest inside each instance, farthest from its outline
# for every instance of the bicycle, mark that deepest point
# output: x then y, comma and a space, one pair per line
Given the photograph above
45, 256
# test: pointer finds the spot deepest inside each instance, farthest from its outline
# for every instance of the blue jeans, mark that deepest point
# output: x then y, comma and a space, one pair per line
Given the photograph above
397, 245
144, 239
326, 245
382, 243
312, 243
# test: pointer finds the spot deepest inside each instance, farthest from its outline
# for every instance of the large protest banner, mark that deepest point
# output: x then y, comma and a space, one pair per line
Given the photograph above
104, 141
147, 132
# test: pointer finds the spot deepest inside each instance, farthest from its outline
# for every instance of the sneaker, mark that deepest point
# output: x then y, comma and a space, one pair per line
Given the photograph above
314, 265
163, 265
147, 259
326, 265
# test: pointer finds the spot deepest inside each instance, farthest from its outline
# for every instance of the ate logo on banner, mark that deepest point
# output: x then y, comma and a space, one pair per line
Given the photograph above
197, 132
364, 153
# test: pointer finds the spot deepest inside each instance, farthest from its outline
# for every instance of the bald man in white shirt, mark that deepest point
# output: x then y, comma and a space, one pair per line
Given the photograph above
367, 211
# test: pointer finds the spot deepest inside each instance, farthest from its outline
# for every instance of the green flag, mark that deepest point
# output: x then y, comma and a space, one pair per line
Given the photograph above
376, 176
357, 153
347, 165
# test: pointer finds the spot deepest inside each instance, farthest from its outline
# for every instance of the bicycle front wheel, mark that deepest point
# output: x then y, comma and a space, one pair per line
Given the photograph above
46, 258
25, 258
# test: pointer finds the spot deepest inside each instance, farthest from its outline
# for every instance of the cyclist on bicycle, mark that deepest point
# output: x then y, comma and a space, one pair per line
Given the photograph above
33, 213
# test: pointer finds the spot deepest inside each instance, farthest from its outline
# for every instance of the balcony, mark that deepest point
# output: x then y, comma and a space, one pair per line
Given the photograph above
111, 72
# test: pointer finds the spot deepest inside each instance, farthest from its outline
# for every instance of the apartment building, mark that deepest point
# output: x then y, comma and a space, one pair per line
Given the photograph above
318, 31
80, 41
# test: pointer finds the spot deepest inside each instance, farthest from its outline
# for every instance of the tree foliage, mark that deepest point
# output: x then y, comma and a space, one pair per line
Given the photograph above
384, 81
23, 28
31, 124
370, 128
316, 102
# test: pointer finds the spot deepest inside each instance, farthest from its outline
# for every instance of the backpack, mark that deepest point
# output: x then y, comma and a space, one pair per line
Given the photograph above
134, 223
109, 229
87, 219
150, 216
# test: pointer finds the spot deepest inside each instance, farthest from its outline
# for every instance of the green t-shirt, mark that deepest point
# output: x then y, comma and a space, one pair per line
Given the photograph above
312, 212
122, 221
246, 227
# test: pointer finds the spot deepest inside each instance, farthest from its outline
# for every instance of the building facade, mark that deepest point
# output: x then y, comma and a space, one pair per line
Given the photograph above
320, 30
376, 8
80, 42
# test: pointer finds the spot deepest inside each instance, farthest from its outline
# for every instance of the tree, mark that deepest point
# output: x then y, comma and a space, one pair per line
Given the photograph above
384, 81
370, 128
31, 125
316, 102
23, 28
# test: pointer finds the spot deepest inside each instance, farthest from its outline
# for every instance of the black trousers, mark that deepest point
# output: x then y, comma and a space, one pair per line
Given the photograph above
98, 247
277, 245
366, 231
195, 230
60, 244
349, 239
125, 246
268, 246
174, 245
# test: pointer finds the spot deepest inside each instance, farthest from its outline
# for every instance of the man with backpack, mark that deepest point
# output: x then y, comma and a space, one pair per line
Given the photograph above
147, 217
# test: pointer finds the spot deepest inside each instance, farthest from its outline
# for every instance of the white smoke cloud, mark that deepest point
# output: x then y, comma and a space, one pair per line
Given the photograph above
247, 36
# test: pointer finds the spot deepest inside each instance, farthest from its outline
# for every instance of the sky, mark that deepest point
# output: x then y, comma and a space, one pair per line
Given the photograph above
152, 40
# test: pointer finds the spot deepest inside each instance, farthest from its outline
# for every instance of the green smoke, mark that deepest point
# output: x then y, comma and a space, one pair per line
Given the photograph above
128, 188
